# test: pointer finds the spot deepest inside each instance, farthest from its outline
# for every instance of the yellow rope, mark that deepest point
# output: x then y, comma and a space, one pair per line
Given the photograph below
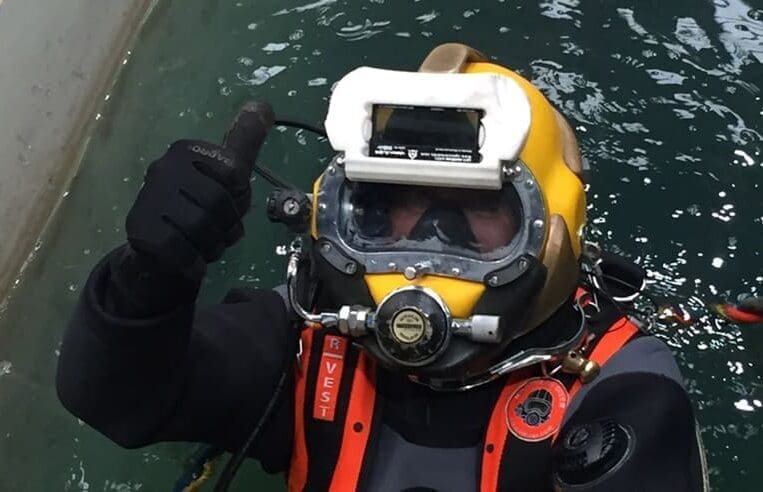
206, 474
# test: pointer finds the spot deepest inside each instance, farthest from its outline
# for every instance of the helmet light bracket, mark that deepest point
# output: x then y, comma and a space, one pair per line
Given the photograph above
289, 206
502, 132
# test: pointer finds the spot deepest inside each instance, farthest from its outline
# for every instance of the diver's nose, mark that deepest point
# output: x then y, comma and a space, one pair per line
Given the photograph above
449, 225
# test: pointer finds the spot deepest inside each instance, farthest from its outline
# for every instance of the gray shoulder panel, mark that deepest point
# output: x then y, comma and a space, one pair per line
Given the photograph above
646, 355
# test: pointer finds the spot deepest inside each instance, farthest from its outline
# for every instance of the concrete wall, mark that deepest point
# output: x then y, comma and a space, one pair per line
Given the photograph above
57, 60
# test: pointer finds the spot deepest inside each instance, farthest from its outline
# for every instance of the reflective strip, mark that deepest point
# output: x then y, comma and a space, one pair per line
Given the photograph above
329, 377
298, 466
357, 427
496, 438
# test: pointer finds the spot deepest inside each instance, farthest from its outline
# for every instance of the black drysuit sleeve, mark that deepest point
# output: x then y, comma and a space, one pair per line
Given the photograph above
640, 389
186, 374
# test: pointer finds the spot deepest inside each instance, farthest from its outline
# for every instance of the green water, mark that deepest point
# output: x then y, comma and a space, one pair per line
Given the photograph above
665, 97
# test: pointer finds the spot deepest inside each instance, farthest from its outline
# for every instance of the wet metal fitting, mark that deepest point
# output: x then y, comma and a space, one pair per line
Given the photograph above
418, 270
586, 369
353, 322
479, 328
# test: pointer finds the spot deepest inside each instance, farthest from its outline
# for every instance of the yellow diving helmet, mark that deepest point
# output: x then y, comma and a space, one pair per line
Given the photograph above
447, 229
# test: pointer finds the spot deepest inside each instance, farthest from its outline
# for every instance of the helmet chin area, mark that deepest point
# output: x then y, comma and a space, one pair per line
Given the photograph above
414, 329
410, 330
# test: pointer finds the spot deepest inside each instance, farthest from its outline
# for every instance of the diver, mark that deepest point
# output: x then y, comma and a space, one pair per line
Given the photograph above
443, 325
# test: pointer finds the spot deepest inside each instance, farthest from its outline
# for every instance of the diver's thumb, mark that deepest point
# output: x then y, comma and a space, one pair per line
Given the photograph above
248, 131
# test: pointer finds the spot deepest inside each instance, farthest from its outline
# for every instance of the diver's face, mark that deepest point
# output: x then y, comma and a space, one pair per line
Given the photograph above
491, 221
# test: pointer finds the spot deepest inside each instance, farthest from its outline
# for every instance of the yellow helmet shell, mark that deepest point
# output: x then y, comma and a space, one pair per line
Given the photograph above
551, 154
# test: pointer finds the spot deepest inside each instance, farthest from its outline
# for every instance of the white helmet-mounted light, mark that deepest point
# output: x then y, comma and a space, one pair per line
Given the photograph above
363, 100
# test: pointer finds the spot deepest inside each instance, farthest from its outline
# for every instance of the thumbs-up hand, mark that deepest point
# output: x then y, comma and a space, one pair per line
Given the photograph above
194, 197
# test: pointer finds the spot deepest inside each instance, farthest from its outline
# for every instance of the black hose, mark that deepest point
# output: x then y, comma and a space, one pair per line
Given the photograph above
235, 461
620, 307
266, 173
301, 125
642, 292
271, 178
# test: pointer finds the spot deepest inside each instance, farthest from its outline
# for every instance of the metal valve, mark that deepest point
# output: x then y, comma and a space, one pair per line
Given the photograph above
354, 321
478, 328
585, 369
290, 207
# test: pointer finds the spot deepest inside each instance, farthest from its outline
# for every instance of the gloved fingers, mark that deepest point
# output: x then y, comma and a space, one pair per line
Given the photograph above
228, 233
239, 200
213, 161
152, 235
209, 195
175, 170
248, 131
190, 206
228, 221
196, 226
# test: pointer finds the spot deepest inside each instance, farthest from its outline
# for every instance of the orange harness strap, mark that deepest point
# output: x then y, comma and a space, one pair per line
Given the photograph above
357, 427
582, 296
498, 429
298, 466
612, 341
496, 438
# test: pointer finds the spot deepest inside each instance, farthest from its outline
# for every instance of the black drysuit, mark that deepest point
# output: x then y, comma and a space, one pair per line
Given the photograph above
142, 363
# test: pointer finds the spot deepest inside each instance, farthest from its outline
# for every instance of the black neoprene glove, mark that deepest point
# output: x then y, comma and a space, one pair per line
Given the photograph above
187, 212
193, 198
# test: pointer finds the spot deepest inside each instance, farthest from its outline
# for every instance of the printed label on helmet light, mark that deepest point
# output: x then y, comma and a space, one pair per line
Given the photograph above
536, 409
408, 326
425, 133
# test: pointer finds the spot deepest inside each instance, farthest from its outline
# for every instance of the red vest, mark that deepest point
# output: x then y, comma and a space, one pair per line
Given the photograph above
335, 403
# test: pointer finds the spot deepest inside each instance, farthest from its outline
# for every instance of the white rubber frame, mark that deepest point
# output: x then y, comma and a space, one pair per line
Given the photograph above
505, 124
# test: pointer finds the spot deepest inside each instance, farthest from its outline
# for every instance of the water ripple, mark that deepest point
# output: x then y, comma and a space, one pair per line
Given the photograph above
561, 9
742, 32
428, 17
260, 75
303, 8
690, 33
665, 98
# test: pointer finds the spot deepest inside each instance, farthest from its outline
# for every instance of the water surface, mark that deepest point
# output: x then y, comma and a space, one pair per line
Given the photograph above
665, 97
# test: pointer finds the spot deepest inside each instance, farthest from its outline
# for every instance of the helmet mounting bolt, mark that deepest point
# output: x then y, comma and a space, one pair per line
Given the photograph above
510, 172
417, 270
